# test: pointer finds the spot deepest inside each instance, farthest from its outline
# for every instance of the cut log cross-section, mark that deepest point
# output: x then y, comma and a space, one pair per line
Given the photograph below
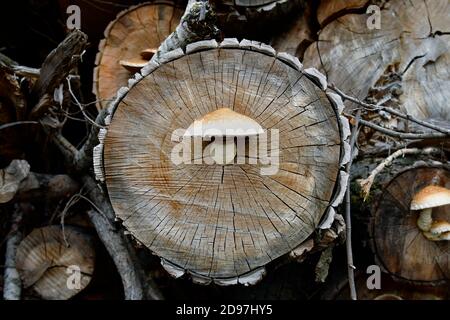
404, 244
224, 223
48, 257
404, 63
129, 43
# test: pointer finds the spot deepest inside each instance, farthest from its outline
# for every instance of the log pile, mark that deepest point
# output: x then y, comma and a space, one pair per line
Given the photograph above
230, 144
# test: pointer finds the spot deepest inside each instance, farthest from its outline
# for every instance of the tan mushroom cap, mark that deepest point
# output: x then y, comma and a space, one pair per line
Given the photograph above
224, 122
147, 54
439, 227
133, 65
430, 197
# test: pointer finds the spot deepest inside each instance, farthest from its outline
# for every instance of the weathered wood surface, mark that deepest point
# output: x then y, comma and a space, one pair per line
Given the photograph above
136, 29
328, 10
56, 68
221, 222
405, 62
45, 255
400, 247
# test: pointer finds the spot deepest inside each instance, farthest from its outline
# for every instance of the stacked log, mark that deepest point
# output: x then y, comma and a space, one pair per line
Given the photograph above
131, 37
194, 216
183, 170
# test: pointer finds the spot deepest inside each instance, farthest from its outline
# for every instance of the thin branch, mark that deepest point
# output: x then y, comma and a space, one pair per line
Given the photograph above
366, 184
77, 102
348, 218
373, 107
128, 266
17, 123
400, 135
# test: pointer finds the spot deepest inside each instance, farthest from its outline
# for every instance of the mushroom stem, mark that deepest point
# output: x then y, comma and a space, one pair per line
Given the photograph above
425, 219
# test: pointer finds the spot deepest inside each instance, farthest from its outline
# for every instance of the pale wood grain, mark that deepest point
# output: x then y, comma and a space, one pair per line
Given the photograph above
45, 255
410, 51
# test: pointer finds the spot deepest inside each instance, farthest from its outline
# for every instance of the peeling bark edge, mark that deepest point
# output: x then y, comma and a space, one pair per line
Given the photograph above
255, 275
246, 279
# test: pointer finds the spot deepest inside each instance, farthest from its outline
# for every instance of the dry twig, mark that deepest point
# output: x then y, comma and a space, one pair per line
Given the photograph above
366, 184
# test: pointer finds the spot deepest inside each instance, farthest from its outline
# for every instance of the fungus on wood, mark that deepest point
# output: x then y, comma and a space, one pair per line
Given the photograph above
49, 256
224, 223
408, 226
129, 42
403, 63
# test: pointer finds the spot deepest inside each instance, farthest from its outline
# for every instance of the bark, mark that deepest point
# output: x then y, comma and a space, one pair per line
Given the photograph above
124, 258
117, 246
42, 187
12, 287
197, 23
57, 67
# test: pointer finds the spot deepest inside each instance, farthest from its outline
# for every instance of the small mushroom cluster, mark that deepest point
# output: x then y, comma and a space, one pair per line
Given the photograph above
425, 200
136, 64
223, 124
